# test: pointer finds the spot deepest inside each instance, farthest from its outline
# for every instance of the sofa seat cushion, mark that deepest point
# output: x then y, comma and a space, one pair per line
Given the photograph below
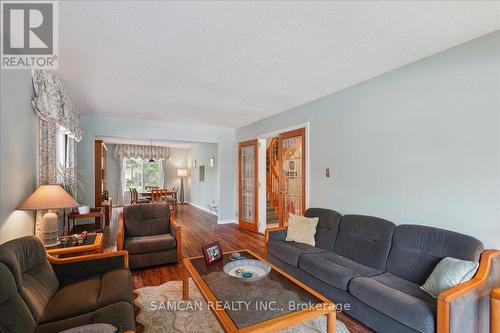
398, 299
119, 315
149, 244
88, 295
334, 269
290, 252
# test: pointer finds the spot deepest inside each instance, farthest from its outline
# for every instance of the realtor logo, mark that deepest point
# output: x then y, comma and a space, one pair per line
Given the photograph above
29, 35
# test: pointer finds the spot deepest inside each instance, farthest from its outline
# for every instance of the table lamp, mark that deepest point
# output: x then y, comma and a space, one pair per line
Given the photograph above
49, 197
182, 173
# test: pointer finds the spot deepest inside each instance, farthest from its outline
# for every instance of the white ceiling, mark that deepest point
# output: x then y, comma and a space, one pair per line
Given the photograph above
231, 63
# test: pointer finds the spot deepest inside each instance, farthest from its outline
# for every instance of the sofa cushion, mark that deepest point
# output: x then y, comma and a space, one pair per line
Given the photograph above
417, 249
35, 279
449, 273
333, 269
146, 219
290, 252
148, 244
365, 239
327, 228
89, 295
301, 229
120, 315
398, 299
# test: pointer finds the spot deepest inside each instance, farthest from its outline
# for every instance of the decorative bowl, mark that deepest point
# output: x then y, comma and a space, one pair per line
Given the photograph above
247, 269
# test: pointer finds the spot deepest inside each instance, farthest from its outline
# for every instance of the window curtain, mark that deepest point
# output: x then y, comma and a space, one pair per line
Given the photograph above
55, 109
122, 151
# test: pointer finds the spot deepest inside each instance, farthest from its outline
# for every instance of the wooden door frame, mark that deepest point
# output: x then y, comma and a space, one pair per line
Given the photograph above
255, 225
283, 136
263, 181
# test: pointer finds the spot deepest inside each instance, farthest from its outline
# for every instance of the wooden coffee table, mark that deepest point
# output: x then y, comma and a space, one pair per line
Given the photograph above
93, 244
274, 302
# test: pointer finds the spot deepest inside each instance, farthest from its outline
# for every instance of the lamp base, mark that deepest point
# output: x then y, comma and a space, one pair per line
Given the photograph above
49, 229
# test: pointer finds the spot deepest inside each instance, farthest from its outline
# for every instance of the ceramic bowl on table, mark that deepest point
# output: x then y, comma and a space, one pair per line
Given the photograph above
247, 269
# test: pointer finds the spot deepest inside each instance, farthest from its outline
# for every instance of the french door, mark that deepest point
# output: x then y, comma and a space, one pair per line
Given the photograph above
292, 160
248, 184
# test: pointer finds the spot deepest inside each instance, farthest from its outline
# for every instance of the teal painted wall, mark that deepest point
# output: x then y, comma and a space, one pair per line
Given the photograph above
206, 192
144, 129
18, 152
419, 145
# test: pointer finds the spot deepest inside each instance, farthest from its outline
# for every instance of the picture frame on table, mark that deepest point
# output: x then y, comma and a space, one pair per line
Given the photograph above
212, 253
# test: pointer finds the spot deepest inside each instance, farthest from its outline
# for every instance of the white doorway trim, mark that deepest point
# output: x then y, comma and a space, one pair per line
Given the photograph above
262, 169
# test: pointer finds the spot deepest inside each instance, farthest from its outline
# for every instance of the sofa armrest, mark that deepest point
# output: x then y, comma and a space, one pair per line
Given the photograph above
175, 230
120, 235
495, 311
73, 268
278, 233
465, 308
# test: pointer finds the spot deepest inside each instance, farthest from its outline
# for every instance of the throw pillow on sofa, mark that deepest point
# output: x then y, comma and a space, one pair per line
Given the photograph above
301, 229
449, 273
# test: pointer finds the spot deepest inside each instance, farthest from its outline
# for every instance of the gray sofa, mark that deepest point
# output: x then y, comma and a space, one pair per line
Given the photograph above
373, 265
44, 297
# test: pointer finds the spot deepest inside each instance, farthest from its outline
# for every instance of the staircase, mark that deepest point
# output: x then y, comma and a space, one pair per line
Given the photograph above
271, 217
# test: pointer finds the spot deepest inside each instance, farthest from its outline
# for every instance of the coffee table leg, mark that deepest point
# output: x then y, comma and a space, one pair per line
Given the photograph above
185, 286
330, 322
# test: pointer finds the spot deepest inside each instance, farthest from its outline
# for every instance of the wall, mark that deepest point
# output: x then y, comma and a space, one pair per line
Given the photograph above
203, 193
420, 144
178, 159
18, 152
144, 129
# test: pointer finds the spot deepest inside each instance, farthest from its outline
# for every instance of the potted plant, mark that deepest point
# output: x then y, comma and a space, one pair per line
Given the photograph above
70, 183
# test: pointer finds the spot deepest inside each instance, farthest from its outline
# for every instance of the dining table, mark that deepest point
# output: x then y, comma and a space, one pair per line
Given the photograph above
149, 194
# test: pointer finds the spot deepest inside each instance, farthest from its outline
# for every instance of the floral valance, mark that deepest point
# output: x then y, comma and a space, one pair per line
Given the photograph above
53, 104
141, 151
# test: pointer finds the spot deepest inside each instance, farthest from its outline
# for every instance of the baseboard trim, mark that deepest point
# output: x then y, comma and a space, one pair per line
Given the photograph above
227, 221
200, 207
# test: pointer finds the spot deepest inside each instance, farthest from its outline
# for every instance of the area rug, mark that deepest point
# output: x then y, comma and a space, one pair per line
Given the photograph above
162, 310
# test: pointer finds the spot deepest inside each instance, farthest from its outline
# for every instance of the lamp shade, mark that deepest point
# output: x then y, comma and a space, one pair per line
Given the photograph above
51, 196
182, 172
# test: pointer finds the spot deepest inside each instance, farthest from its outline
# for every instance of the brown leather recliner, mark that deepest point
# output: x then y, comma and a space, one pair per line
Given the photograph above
45, 297
150, 235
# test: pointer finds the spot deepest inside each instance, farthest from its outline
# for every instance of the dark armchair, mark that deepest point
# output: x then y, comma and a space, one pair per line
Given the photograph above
46, 294
150, 235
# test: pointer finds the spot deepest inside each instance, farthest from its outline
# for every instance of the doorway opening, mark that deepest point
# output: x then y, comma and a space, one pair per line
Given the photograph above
273, 175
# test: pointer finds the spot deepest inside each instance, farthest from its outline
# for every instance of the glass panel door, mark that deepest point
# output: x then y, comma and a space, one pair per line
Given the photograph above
292, 180
248, 212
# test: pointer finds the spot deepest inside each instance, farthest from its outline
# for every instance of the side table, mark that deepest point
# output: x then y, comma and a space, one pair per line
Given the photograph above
95, 213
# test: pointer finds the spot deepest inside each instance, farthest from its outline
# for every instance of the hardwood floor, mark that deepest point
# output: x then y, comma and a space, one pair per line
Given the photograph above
200, 228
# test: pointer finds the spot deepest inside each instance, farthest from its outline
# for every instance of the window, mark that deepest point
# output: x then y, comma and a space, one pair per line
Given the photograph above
140, 173
61, 148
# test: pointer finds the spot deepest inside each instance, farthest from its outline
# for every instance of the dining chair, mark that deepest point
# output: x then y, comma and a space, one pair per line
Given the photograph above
155, 195
132, 198
136, 199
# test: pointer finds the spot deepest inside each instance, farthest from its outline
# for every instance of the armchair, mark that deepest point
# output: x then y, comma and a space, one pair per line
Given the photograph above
150, 235
40, 293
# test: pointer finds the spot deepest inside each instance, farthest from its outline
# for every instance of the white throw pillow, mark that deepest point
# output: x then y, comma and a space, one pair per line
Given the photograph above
449, 273
301, 229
